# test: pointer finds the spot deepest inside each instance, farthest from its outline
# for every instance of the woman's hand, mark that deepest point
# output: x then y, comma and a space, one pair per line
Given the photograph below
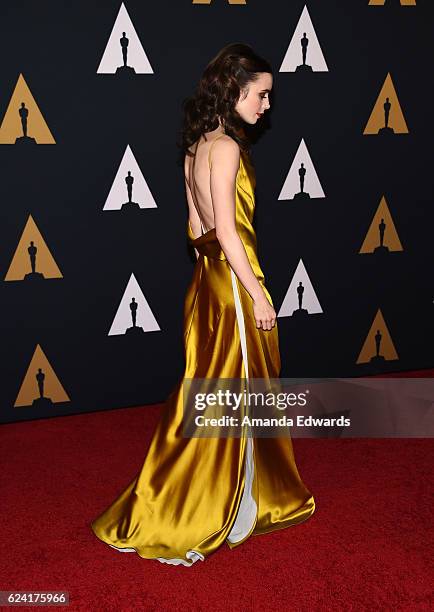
265, 315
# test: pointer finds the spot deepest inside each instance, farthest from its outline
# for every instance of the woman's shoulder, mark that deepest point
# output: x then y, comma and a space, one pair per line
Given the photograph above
225, 143
224, 138
224, 149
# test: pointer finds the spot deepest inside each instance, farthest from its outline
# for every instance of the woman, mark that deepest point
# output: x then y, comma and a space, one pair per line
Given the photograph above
193, 494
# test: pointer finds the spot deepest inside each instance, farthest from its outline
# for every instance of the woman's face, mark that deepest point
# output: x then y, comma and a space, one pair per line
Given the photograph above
252, 106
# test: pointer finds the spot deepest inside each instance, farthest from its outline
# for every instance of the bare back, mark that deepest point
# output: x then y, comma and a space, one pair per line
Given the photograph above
198, 172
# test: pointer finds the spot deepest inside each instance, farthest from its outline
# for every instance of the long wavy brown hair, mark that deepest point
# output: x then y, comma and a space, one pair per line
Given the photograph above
217, 93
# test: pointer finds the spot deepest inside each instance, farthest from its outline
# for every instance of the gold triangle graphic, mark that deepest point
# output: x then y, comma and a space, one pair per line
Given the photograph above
12, 125
386, 347
30, 389
21, 264
396, 120
381, 220
382, 2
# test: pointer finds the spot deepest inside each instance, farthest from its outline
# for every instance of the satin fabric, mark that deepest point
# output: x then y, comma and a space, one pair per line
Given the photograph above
194, 494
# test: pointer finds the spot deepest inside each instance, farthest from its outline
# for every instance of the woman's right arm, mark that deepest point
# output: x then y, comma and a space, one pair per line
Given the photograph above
225, 161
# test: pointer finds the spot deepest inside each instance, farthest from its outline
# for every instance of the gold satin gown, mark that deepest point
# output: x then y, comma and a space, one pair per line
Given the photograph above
194, 494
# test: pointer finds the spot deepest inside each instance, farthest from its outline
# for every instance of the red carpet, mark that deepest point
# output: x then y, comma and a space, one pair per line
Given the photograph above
367, 547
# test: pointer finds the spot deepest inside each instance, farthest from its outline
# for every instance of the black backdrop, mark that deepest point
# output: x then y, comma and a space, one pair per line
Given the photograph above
57, 46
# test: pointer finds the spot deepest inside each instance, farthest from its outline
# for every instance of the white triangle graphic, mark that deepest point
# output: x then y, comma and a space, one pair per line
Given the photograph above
112, 58
123, 319
291, 186
309, 302
118, 195
314, 55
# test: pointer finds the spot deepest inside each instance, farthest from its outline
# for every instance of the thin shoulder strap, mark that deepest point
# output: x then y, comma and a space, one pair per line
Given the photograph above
209, 152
